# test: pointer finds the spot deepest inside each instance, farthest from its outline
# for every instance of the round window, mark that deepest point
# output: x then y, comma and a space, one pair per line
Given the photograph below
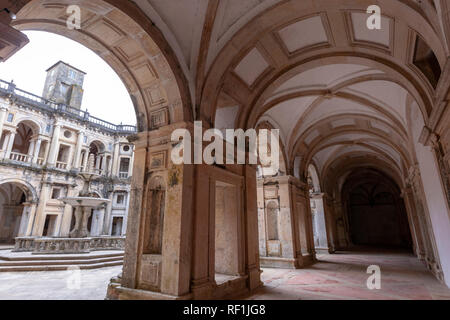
126, 148
67, 134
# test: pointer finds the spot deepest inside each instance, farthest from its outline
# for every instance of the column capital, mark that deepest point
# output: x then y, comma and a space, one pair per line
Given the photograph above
429, 138
317, 195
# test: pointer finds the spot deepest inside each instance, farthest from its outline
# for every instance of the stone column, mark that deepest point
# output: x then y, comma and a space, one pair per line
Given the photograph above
330, 222
97, 163
107, 215
70, 158
130, 168
40, 211
110, 166
37, 148
46, 152
3, 111
24, 219
103, 164
97, 222
125, 218
31, 219
321, 225
11, 137
287, 234
416, 233
86, 159
79, 145
31, 150
252, 265
140, 270
64, 230
54, 146
116, 159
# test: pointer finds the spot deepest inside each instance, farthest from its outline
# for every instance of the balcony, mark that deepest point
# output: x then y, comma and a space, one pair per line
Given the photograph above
123, 175
61, 165
20, 157
40, 104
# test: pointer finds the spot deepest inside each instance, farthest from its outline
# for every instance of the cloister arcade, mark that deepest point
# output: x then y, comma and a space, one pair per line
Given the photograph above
362, 112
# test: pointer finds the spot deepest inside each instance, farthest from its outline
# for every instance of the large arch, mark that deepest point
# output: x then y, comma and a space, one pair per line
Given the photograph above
124, 37
343, 99
16, 199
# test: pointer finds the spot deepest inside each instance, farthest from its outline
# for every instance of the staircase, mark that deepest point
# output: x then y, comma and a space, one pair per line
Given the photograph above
27, 262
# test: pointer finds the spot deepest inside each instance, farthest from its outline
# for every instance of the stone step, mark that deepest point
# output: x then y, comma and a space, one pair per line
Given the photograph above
70, 257
59, 267
58, 262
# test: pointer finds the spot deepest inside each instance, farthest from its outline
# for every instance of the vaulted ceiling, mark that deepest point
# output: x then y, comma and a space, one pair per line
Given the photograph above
335, 89
312, 68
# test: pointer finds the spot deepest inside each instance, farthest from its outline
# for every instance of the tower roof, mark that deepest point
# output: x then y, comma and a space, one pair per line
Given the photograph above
66, 65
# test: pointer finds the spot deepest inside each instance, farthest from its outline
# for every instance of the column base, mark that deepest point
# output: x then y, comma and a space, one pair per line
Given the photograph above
117, 292
324, 250
282, 263
235, 287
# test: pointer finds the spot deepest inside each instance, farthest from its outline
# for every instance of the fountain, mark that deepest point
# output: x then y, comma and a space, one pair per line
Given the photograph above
79, 240
85, 202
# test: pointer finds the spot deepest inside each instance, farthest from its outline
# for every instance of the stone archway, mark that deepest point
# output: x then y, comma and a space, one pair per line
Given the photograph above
376, 213
17, 206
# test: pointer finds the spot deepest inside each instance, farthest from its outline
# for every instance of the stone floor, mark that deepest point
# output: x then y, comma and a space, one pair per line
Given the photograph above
56, 285
343, 276
6, 246
337, 276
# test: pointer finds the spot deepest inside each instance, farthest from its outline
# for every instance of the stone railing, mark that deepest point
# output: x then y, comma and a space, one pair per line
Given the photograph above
123, 175
61, 245
42, 104
39, 245
24, 244
15, 156
61, 165
107, 243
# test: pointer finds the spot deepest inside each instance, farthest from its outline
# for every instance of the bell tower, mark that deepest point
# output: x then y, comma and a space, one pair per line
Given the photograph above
64, 84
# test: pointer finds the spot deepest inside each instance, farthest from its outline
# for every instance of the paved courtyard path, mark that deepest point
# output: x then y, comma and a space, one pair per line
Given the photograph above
56, 285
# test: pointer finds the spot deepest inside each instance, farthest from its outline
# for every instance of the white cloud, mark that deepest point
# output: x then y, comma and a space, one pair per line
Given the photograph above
105, 96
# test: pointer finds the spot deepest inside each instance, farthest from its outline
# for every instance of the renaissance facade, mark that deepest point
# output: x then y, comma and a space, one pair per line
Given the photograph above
45, 142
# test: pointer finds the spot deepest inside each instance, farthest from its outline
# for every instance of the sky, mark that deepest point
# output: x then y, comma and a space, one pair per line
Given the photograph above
105, 96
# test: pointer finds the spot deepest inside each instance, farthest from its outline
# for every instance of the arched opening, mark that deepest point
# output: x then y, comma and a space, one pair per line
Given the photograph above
376, 212
340, 97
96, 157
318, 218
24, 147
15, 202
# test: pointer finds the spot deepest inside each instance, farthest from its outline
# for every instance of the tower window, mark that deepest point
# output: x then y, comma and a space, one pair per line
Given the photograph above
56, 193
120, 199
72, 74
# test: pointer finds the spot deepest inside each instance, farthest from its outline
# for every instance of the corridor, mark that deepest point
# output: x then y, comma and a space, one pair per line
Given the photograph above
343, 276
